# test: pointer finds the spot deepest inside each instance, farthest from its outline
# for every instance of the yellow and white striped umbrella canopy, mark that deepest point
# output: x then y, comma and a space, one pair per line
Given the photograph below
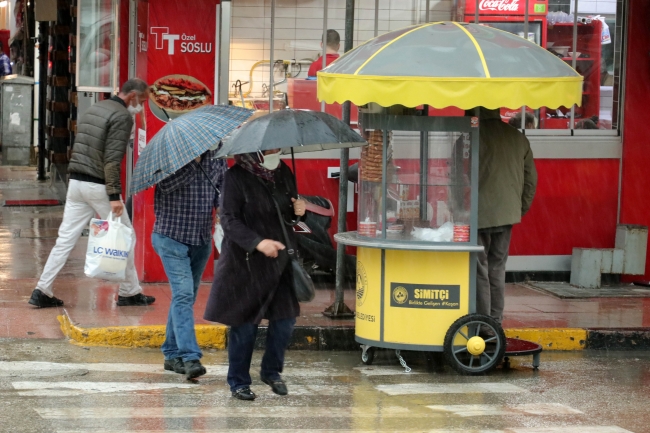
447, 64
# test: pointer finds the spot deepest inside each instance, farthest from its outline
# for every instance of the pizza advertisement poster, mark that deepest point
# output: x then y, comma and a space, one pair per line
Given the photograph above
181, 58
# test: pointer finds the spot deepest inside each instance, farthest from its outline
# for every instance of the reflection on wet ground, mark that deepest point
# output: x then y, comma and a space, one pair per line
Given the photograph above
27, 234
49, 386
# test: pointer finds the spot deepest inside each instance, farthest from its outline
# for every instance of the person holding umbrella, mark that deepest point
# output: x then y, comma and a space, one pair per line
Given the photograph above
181, 161
184, 206
253, 279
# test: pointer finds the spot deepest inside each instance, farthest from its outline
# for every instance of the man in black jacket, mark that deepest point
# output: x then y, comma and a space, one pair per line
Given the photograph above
95, 186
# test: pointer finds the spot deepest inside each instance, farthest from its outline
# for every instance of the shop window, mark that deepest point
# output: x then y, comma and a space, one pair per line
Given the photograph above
97, 39
549, 23
580, 32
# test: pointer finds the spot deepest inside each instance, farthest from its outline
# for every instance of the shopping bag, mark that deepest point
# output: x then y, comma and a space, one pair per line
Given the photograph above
218, 236
109, 246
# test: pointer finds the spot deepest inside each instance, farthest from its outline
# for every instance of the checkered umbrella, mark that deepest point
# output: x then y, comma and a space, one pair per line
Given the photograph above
182, 140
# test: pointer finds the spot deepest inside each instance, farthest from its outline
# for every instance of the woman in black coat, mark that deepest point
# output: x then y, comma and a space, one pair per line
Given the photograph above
253, 279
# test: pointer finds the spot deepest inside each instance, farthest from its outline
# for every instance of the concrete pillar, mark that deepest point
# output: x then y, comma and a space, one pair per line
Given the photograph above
633, 240
586, 264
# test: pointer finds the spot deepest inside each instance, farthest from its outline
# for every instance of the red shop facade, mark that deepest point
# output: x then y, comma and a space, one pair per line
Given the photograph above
587, 184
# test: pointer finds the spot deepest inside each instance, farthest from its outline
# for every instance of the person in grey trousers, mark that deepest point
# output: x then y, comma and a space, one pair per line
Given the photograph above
506, 186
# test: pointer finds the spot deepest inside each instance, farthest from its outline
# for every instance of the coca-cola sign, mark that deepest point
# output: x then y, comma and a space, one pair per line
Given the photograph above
503, 7
499, 5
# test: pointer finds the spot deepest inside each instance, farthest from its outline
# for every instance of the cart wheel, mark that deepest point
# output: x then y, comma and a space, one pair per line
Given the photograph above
367, 354
474, 344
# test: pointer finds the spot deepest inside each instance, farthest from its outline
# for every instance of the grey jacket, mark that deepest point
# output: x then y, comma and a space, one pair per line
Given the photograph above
102, 136
507, 176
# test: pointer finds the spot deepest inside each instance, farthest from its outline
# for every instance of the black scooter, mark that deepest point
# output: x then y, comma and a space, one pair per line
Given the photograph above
315, 246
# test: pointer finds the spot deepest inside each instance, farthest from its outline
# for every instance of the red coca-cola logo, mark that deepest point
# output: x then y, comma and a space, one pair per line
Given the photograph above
499, 5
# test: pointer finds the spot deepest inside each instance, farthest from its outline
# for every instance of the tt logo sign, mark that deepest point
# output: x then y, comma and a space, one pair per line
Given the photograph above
161, 35
188, 44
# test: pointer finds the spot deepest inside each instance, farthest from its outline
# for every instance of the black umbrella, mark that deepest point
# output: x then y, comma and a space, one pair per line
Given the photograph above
297, 130
292, 131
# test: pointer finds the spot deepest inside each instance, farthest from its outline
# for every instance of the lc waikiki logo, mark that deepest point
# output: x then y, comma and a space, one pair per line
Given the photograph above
111, 252
188, 42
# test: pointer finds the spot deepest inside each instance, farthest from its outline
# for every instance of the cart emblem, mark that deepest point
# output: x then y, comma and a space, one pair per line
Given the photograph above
362, 284
400, 295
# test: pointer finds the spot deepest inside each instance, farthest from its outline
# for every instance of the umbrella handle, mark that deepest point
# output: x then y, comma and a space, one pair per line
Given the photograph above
209, 180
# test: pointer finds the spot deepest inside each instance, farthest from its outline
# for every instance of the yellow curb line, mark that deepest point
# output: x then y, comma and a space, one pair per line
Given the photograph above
214, 336
208, 336
552, 338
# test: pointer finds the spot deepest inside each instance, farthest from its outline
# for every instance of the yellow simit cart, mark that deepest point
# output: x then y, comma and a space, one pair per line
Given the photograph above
418, 198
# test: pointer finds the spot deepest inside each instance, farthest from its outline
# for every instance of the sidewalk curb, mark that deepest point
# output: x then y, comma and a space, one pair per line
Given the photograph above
208, 336
619, 339
552, 338
341, 338
307, 337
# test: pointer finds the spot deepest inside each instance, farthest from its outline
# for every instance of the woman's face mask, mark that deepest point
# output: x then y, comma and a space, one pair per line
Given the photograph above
270, 161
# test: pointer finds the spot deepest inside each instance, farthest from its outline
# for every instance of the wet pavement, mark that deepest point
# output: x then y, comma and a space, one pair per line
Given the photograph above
51, 386
27, 235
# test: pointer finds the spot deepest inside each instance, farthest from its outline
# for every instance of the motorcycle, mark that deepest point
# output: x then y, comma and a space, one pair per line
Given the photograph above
317, 252
315, 245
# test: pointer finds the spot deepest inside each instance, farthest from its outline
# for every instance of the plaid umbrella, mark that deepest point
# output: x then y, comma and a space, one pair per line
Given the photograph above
182, 140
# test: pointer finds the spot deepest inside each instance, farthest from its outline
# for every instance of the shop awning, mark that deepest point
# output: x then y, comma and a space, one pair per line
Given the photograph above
445, 64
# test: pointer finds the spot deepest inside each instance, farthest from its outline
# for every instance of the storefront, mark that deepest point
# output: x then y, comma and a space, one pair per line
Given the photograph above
589, 179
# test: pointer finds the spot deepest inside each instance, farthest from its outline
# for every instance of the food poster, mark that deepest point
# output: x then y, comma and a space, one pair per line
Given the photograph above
181, 44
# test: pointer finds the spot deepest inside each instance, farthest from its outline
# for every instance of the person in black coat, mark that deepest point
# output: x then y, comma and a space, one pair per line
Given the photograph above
253, 279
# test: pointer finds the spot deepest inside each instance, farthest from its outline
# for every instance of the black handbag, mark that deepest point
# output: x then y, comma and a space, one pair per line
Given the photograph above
303, 286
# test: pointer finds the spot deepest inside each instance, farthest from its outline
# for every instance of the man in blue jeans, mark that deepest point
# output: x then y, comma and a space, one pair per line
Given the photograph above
184, 206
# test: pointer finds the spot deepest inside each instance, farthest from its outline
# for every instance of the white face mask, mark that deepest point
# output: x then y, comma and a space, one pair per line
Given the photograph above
137, 109
271, 161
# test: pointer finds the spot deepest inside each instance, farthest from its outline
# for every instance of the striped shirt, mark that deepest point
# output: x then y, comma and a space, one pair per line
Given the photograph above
184, 202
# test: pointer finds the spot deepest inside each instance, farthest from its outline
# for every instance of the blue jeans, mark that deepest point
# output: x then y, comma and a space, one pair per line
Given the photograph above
241, 342
184, 265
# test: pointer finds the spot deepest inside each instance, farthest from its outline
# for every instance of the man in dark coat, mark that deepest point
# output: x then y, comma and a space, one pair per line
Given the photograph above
506, 186
253, 279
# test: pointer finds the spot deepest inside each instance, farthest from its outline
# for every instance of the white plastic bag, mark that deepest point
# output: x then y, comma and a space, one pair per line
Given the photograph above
218, 236
109, 247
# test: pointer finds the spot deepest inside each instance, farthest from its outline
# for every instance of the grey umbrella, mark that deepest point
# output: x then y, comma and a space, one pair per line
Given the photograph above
292, 131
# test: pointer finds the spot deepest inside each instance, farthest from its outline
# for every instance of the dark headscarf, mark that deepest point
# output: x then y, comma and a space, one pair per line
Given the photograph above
251, 162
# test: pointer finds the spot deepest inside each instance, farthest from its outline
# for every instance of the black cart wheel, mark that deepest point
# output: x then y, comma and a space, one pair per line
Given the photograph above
368, 356
474, 344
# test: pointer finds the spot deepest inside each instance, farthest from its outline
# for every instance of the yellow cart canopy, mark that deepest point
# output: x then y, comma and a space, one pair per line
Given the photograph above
447, 64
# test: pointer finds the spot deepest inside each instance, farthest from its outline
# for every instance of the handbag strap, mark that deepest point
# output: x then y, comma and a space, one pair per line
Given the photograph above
290, 250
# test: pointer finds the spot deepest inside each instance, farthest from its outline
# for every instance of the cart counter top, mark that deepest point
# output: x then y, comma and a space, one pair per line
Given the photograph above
353, 239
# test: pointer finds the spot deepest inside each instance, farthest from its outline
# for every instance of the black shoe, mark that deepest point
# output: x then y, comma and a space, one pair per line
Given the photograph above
244, 393
41, 300
139, 299
176, 365
278, 386
194, 369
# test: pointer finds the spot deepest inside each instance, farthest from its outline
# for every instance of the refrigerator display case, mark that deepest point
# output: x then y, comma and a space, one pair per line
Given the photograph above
510, 16
588, 61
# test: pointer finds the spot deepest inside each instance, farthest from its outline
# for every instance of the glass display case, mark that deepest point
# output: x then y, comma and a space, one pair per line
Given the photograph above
420, 190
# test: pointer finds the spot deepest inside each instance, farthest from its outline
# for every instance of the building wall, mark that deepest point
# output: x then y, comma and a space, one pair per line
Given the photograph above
636, 157
299, 26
